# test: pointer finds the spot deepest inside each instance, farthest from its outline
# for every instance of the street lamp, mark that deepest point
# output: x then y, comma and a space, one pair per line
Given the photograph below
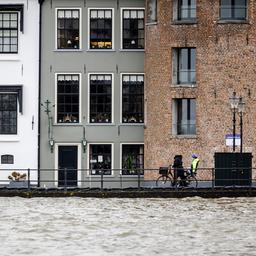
241, 110
234, 101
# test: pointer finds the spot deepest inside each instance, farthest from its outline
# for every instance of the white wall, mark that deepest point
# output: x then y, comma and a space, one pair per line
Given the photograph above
22, 69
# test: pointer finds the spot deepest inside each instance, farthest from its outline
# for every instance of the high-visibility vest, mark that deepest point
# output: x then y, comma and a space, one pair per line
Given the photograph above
194, 164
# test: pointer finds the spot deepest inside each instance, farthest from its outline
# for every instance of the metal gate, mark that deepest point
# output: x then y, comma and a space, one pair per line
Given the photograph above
233, 169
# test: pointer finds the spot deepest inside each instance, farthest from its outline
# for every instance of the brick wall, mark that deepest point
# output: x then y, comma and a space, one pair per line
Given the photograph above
225, 61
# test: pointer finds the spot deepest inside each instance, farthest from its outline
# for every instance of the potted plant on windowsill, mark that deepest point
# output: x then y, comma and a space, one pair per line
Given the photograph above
18, 180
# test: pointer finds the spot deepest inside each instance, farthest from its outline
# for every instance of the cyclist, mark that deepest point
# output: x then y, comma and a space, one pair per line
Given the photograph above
194, 164
178, 171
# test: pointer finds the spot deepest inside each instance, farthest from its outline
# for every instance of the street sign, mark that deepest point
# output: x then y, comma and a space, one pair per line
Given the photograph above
229, 140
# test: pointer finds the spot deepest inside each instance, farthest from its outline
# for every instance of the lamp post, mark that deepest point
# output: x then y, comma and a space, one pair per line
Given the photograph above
241, 110
234, 100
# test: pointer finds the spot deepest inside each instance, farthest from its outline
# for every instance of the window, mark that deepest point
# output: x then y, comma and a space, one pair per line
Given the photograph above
184, 117
233, 9
68, 98
133, 29
8, 113
8, 32
7, 159
100, 159
68, 29
101, 29
132, 159
152, 11
184, 65
133, 98
100, 98
185, 10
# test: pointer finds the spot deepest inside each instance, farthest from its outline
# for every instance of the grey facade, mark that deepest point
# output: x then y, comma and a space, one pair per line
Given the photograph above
80, 62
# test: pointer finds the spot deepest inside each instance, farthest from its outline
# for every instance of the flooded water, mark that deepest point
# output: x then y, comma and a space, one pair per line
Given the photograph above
82, 226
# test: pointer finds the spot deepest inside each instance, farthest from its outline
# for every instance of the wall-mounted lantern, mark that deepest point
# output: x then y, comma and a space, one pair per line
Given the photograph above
51, 143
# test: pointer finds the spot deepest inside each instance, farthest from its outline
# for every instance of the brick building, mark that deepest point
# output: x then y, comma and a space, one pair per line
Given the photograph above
197, 54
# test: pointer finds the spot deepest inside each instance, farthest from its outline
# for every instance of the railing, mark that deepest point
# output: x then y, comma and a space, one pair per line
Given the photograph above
81, 178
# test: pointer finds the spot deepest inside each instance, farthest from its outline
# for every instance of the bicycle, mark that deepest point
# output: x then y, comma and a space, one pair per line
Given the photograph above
166, 179
190, 180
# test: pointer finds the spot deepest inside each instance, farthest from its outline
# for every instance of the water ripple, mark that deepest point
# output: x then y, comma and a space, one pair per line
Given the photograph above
91, 226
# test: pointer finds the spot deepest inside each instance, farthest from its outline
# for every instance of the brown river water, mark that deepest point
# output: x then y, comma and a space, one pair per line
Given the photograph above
91, 226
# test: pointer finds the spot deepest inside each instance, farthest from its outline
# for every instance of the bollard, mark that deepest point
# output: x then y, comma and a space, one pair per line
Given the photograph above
101, 179
121, 180
28, 178
65, 179
212, 178
138, 179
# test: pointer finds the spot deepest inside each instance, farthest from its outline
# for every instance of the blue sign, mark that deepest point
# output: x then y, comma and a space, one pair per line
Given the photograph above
230, 139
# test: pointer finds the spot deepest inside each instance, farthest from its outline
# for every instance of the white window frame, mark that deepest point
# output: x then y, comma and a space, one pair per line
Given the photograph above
88, 158
121, 156
112, 99
56, 98
8, 55
80, 29
79, 159
121, 99
121, 28
113, 29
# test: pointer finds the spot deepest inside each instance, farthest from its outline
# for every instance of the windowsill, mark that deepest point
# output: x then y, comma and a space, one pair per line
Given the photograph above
101, 50
233, 21
151, 23
132, 50
101, 124
184, 22
9, 138
184, 85
135, 176
68, 50
67, 124
98, 176
9, 57
132, 124
184, 136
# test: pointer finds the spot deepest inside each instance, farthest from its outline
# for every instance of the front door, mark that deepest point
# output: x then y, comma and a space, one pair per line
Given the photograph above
67, 163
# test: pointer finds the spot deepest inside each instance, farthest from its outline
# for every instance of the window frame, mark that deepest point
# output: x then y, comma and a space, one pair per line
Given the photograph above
80, 28
121, 157
88, 159
177, 13
176, 60
233, 18
121, 28
112, 99
89, 28
17, 114
18, 29
148, 19
175, 121
121, 99
9, 156
56, 99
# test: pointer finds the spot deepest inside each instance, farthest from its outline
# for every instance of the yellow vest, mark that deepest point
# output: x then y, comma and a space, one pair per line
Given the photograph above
194, 164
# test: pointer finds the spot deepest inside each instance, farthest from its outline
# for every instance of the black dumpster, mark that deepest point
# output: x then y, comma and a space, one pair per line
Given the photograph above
233, 169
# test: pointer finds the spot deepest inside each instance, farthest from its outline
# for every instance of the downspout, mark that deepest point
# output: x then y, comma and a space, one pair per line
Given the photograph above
39, 92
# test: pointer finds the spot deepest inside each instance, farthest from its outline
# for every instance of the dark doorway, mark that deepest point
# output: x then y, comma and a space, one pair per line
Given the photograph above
233, 169
67, 162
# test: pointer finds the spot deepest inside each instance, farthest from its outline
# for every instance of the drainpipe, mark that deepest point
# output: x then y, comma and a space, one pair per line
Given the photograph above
39, 92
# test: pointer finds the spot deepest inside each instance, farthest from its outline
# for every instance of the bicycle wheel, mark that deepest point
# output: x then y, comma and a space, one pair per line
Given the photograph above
192, 182
164, 181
